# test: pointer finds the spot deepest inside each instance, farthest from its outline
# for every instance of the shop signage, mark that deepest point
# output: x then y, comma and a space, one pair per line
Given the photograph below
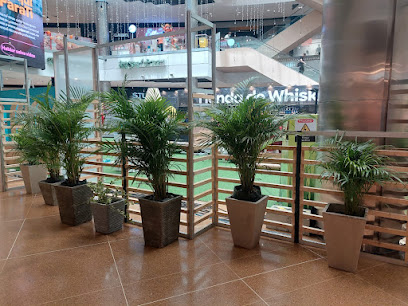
280, 95
21, 30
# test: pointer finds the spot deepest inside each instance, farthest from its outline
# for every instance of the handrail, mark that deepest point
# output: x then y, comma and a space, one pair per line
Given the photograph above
271, 52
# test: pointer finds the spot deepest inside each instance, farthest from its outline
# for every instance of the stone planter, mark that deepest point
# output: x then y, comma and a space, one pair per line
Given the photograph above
246, 220
32, 175
108, 218
74, 203
343, 235
48, 192
161, 220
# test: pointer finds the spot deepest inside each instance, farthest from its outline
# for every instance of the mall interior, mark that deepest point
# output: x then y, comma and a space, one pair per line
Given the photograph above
106, 105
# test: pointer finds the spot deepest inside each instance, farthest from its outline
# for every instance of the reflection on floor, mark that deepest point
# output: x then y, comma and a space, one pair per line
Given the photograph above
45, 262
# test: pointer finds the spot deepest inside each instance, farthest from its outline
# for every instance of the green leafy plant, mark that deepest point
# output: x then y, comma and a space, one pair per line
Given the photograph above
103, 194
70, 130
139, 64
244, 128
26, 142
355, 167
38, 124
152, 128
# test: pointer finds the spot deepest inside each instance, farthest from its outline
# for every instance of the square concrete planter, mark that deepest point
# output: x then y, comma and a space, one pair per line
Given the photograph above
108, 218
74, 203
48, 192
246, 220
343, 235
161, 220
32, 175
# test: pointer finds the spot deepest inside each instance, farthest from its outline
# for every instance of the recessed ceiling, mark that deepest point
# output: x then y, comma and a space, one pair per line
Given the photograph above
120, 11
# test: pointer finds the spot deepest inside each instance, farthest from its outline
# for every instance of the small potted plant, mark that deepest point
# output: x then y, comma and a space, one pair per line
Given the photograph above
69, 118
32, 169
108, 209
152, 129
244, 129
354, 167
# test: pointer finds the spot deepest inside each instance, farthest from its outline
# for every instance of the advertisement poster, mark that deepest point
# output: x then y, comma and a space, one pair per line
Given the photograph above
55, 41
21, 30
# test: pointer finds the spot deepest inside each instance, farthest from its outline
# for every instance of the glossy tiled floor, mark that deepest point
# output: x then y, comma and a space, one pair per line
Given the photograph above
45, 262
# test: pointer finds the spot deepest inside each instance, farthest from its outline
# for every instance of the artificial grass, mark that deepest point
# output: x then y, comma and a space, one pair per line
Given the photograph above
275, 179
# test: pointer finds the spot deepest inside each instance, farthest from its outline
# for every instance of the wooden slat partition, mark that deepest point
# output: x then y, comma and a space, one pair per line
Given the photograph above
387, 209
10, 176
278, 222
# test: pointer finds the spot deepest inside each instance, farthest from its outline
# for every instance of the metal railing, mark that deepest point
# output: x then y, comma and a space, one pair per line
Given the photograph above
273, 53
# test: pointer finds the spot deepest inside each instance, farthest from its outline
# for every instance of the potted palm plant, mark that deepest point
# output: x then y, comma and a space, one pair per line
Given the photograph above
152, 129
71, 131
107, 208
32, 169
43, 129
244, 129
354, 167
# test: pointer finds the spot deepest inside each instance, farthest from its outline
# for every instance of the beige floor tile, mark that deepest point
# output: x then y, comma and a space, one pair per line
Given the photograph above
40, 209
391, 278
365, 261
136, 262
346, 290
108, 297
49, 234
278, 255
128, 232
52, 276
234, 293
220, 241
8, 234
146, 291
2, 263
287, 279
15, 205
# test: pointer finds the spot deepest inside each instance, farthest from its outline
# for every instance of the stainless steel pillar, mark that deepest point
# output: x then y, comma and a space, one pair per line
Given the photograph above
102, 34
356, 47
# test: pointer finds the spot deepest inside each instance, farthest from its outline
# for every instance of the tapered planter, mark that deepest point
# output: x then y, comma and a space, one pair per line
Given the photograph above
246, 220
343, 235
48, 192
32, 175
74, 204
108, 218
161, 220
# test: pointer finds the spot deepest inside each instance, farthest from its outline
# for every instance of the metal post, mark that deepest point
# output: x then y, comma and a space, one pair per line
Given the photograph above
214, 60
214, 174
27, 86
214, 148
297, 186
124, 177
102, 34
190, 151
66, 66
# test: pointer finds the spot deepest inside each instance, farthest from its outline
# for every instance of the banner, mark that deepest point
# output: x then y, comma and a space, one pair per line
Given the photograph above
21, 30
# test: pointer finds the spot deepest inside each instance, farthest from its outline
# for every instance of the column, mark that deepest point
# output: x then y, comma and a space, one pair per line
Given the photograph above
102, 34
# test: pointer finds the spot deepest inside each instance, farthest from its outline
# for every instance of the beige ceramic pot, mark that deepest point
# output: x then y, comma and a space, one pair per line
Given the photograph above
32, 175
343, 235
246, 220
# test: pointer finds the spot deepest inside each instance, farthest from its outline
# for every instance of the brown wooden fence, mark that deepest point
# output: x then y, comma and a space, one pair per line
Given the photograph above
206, 179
